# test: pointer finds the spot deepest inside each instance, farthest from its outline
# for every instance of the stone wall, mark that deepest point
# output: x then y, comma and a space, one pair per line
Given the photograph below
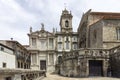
96, 35
110, 33
103, 34
69, 68
77, 64
115, 61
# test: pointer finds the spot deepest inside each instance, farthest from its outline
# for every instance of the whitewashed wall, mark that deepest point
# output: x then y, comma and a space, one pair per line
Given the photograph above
7, 58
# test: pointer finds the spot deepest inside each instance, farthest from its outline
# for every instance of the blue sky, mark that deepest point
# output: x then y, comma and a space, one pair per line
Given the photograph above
16, 16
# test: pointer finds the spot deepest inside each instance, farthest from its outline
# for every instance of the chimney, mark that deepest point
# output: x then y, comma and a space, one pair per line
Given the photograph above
11, 38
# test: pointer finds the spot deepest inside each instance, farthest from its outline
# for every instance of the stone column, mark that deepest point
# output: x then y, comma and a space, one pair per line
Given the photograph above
63, 43
71, 42
87, 68
105, 66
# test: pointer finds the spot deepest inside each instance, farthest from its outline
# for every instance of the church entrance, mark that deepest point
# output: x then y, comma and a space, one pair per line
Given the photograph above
95, 68
42, 64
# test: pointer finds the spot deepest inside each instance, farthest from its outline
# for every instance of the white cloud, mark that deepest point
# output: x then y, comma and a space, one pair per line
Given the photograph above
17, 15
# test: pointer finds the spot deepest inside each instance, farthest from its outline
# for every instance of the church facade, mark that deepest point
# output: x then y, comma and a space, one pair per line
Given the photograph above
47, 48
87, 52
42, 48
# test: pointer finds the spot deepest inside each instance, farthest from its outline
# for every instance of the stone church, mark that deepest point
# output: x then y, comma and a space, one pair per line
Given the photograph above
47, 48
91, 51
98, 47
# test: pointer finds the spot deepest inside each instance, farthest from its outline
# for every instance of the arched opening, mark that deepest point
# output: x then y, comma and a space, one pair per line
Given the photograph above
66, 23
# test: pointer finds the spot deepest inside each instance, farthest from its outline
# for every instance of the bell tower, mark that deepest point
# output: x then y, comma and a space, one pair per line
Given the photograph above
66, 21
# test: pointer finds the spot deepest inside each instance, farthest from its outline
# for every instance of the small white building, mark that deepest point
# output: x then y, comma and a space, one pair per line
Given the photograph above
7, 58
7, 61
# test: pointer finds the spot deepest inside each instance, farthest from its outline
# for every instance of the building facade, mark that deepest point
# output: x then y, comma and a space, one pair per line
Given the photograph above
42, 48
91, 51
15, 62
66, 40
6, 58
47, 48
6, 54
22, 55
95, 27
98, 34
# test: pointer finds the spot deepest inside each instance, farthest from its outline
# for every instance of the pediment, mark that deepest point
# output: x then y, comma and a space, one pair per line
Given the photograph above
42, 33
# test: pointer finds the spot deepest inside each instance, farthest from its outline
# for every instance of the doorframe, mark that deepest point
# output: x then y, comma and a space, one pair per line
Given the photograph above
101, 66
45, 64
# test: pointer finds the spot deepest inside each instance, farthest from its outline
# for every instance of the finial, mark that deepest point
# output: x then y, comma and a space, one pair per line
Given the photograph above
56, 29
42, 28
53, 30
30, 29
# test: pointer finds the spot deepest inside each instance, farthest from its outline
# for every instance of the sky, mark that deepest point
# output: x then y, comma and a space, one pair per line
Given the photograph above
17, 16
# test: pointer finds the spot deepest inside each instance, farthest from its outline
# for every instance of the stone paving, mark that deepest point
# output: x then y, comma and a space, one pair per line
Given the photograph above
57, 77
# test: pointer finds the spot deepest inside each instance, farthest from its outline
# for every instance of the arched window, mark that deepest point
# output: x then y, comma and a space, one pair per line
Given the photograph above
66, 23
67, 43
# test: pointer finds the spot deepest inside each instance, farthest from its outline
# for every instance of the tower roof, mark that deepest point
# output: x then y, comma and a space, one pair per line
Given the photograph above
65, 11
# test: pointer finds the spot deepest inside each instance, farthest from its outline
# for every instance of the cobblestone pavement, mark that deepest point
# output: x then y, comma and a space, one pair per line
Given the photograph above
57, 77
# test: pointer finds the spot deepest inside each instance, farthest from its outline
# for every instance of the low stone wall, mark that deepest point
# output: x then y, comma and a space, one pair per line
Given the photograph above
21, 74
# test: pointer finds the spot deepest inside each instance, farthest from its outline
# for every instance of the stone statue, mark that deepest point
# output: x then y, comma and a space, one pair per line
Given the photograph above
42, 26
30, 29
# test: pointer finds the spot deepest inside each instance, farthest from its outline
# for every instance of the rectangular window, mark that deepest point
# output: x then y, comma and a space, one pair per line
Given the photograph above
51, 43
60, 46
43, 45
34, 58
51, 59
4, 65
2, 49
67, 45
33, 41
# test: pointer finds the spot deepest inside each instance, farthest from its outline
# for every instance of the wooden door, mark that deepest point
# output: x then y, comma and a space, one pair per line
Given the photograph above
95, 68
42, 64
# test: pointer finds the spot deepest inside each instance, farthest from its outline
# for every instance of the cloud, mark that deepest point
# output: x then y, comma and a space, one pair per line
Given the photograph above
14, 20
104, 5
16, 16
